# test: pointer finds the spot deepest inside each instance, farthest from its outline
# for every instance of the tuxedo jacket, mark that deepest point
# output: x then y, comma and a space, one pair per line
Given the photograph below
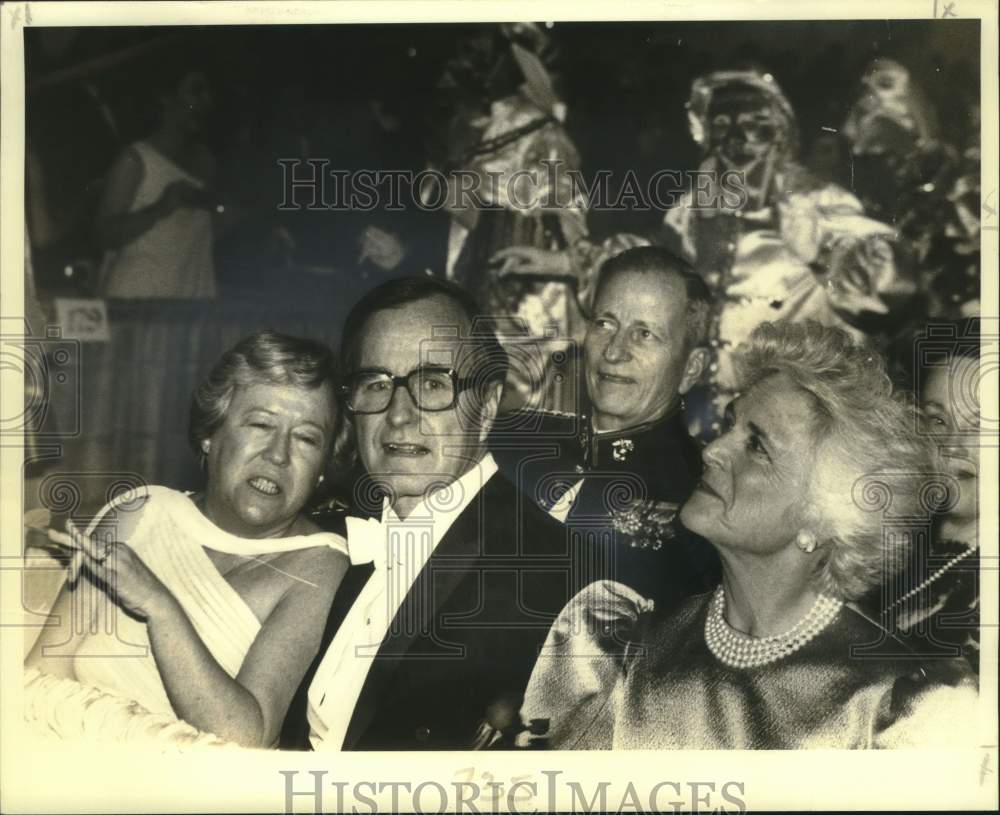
457, 666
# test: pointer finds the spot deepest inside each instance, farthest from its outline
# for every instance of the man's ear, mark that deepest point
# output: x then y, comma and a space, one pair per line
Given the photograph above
343, 454
488, 411
694, 369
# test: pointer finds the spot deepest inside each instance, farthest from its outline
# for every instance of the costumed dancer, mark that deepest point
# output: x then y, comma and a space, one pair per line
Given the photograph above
907, 175
508, 132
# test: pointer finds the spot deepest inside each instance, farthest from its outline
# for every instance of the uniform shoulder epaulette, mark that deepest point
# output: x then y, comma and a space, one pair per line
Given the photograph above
534, 422
537, 414
558, 414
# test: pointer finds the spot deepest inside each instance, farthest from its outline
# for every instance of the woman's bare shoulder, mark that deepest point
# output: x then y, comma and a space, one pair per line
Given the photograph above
321, 554
314, 565
304, 578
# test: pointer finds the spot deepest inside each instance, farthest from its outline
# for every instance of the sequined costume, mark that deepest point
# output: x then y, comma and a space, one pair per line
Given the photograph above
803, 250
173, 259
522, 166
522, 159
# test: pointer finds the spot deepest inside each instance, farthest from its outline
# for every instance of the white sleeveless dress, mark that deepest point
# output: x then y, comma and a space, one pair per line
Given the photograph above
173, 259
170, 535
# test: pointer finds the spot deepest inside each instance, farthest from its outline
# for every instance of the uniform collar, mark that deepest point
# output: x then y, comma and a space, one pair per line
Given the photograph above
599, 436
622, 443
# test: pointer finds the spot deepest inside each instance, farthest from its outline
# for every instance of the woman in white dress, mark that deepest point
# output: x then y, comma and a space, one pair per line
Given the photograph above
155, 221
211, 606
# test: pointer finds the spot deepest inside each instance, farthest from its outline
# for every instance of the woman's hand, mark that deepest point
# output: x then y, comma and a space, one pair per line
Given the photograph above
527, 260
123, 575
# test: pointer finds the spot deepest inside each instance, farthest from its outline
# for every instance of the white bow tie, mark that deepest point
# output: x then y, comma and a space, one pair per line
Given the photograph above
367, 542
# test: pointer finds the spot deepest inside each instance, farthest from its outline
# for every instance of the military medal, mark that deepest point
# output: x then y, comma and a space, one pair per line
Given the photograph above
621, 448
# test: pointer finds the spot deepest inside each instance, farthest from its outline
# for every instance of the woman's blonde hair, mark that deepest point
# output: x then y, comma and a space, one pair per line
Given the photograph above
267, 357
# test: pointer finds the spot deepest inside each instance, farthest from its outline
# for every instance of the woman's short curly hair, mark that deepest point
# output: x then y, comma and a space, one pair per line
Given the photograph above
871, 463
265, 357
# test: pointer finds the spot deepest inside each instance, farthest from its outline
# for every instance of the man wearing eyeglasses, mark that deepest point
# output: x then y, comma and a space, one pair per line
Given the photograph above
456, 577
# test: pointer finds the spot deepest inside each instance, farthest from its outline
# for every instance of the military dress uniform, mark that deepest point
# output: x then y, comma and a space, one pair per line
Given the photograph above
618, 492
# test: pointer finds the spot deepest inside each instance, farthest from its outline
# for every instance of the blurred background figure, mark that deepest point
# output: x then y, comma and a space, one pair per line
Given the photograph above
155, 219
64, 178
905, 174
787, 246
505, 127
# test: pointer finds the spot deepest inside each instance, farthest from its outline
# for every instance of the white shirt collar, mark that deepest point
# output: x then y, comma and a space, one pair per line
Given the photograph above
343, 670
441, 507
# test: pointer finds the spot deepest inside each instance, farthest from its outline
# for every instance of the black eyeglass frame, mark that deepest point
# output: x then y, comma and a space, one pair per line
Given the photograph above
458, 385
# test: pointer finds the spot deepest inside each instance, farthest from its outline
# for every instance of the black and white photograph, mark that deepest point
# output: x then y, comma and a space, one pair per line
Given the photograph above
482, 407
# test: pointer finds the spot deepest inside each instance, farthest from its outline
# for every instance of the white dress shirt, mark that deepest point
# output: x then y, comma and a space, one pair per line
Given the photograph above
560, 509
399, 549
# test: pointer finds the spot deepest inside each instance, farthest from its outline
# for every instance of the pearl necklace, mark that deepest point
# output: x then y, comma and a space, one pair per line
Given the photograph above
956, 559
741, 651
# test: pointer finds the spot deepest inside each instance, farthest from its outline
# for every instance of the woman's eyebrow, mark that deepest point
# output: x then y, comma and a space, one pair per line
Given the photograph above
258, 409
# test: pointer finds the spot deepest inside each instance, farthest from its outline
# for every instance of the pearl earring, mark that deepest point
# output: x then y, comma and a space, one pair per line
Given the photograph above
806, 541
